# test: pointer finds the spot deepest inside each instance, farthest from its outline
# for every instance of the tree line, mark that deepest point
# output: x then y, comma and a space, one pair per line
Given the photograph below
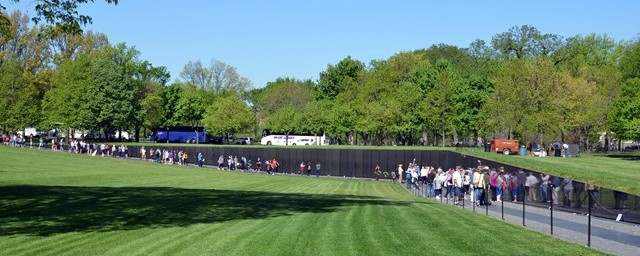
521, 84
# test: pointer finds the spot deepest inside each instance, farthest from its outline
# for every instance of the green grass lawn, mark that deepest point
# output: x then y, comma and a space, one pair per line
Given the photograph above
61, 204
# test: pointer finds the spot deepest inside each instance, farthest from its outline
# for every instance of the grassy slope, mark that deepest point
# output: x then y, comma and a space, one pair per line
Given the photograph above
56, 203
618, 171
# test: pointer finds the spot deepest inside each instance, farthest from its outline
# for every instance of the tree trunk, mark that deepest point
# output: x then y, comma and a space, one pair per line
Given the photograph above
475, 137
425, 138
455, 137
137, 133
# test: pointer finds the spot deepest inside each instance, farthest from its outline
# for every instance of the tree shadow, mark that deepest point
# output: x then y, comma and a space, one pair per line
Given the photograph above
628, 157
47, 210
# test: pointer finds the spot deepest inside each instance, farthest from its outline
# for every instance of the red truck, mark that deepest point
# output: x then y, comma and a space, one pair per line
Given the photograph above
504, 146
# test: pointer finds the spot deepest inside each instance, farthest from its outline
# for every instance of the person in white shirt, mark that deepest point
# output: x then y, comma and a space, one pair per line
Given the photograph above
456, 177
532, 184
414, 178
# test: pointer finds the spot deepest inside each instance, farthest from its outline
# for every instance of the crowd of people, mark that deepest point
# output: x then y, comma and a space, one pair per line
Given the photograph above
484, 185
230, 162
76, 146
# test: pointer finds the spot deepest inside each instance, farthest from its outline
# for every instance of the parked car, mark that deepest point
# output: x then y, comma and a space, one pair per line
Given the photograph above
304, 141
243, 141
632, 148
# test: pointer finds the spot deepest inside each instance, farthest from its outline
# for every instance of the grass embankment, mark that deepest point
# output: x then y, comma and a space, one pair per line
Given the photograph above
57, 203
615, 170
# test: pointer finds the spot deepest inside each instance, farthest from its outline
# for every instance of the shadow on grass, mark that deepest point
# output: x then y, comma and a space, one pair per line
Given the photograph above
47, 210
628, 157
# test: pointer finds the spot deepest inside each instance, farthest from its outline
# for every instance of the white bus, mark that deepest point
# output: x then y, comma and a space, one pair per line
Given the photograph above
294, 140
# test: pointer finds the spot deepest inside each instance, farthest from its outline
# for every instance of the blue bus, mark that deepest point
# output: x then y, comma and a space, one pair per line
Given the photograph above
179, 134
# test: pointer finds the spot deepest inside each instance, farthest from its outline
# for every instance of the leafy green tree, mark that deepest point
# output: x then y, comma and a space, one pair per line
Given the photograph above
148, 81
441, 99
593, 58
62, 13
217, 78
228, 115
284, 92
458, 57
315, 118
19, 104
525, 41
69, 99
283, 120
112, 95
170, 97
502, 107
625, 117
630, 62
470, 96
68, 46
336, 78
25, 44
190, 107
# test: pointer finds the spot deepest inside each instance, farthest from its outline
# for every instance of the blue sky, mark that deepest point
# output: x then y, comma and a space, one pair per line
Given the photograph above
269, 39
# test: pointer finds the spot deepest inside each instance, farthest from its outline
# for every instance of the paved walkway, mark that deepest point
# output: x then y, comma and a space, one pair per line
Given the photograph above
610, 236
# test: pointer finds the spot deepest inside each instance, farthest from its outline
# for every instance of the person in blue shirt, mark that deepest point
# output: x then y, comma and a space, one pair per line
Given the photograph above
200, 159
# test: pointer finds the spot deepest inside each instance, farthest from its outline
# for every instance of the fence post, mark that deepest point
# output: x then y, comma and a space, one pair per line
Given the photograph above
551, 208
502, 208
486, 204
589, 226
524, 200
474, 201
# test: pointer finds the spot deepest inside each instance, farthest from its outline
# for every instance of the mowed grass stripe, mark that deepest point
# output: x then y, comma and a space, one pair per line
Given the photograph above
176, 241
233, 238
28, 245
62, 247
145, 239
59, 246
144, 208
202, 241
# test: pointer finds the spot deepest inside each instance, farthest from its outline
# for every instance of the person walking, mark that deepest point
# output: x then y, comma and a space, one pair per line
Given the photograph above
377, 172
200, 159
221, 162
318, 169
567, 190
